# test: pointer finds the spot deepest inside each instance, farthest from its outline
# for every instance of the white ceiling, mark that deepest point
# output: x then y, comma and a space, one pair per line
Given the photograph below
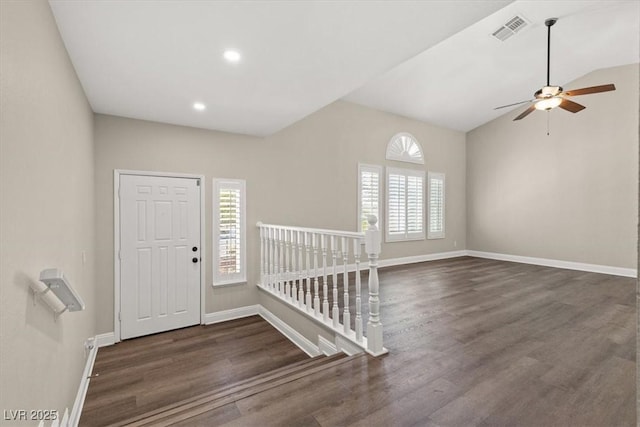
430, 60
458, 83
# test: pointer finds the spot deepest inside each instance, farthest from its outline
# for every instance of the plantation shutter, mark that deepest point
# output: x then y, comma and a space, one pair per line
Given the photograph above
415, 213
436, 206
405, 204
229, 239
396, 196
369, 194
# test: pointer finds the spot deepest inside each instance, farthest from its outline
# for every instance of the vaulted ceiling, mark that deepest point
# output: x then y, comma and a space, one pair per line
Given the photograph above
435, 61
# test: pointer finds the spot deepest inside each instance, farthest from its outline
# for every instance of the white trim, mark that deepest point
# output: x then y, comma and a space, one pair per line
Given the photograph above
294, 336
326, 347
348, 348
337, 233
76, 411
116, 239
232, 314
104, 340
351, 335
419, 258
398, 157
116, 254
570, 265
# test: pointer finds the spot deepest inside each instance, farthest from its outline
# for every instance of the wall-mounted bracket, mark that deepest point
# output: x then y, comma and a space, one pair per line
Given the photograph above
58, 283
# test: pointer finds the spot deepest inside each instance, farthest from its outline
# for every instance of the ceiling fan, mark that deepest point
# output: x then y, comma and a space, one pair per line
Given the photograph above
553, 96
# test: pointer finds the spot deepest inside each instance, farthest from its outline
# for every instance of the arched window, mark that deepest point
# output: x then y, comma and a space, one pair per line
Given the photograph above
403, 147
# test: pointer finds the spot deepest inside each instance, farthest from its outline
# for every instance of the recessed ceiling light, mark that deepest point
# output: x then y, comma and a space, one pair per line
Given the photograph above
199, 106
231, 55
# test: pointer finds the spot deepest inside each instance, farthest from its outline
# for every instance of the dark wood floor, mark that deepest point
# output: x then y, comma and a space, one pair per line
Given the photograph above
144, 374
472, 342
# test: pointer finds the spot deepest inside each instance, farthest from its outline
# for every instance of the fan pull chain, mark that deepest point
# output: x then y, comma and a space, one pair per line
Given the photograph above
548, 114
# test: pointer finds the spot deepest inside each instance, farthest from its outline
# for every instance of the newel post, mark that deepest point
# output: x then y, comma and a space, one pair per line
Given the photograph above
374, 327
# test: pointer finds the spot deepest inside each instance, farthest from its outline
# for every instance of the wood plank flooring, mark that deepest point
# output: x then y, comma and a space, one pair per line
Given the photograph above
472, 342
141, 375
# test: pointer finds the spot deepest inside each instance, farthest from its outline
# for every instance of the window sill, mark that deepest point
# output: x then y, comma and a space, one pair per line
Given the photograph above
403, 239
229, 283
436, 237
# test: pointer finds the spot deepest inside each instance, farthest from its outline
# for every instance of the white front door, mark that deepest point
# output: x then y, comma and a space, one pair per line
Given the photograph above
159, 254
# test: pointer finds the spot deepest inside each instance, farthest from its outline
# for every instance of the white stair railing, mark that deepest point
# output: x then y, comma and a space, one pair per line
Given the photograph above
295, 267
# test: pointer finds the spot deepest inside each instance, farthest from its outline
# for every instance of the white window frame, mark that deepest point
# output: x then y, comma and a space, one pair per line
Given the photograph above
406, 236
240, 277
399, 146
376, 169
438, 234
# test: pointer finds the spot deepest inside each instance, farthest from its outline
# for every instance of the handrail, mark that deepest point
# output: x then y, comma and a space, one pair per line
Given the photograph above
337, 233
308, 269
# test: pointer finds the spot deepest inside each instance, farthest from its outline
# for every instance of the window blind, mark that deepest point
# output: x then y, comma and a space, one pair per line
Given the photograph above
405, 204
436, 206
369, 194
229, 232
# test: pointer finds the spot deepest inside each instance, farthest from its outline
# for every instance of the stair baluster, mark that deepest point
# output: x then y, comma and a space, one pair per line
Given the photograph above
307, 242
300, 271
281, 248
287, 262
294, 268
272, 276
346, 314
358, 321
316, 285
335, 309
325, 287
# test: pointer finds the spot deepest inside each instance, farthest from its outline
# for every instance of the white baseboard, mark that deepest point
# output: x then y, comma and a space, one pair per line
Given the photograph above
294, 336
326, 347
232, 314
103, 340
420, 258
346, 346
570, 265
76, 411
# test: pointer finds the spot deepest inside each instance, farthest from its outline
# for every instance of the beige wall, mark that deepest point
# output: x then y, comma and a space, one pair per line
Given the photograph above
568, 196
304, 175
46, 209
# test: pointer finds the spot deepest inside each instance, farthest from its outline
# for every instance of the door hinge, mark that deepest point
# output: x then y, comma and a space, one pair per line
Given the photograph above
120, 254
198, 182
119, 316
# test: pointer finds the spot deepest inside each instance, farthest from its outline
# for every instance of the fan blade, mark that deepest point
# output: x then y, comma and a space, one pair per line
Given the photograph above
511, 105
574, 107
588, 90
525, 113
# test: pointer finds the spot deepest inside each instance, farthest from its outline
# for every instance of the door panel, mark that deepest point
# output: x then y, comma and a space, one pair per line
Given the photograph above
159, 280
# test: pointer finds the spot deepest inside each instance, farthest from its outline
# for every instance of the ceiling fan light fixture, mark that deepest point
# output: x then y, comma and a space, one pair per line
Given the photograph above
549, 91
548, 103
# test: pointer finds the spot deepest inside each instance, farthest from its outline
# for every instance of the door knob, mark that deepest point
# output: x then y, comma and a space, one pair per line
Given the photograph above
194, 249
194, 259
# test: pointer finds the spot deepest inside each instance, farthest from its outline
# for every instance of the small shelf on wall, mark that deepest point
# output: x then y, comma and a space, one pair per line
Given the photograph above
59, 285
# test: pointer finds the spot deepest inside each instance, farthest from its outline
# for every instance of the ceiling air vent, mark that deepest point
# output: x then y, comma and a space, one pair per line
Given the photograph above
512, 26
